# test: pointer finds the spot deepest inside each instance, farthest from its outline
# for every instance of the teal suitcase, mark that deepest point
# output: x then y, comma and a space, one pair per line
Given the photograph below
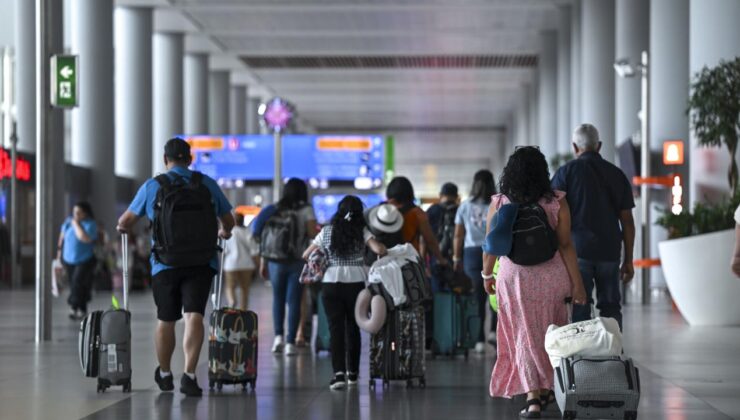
456, 324
322, 329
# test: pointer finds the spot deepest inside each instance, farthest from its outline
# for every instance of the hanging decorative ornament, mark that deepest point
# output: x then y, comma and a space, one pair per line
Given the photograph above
277, 114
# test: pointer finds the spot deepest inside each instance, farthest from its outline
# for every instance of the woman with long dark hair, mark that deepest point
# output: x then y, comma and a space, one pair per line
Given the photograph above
470, 233
344, 240
530, 297
284, 275
76, 251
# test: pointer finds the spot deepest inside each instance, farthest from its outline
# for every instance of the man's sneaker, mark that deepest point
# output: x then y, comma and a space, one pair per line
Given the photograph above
189, 386
338, 381
351, 379
480, 347
290, 350
165, 383
277, 345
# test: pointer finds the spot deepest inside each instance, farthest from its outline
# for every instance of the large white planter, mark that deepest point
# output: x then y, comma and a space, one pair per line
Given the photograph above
697, 271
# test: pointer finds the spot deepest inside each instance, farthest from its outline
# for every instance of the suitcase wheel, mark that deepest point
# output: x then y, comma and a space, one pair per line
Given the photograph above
101, 388
630, 415
467, 354
569, 415
127, 387
422, 382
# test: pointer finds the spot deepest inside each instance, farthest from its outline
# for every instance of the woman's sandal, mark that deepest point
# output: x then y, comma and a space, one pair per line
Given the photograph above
547, 399
526, 414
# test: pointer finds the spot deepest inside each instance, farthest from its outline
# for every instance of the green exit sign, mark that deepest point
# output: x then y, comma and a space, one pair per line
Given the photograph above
64, 81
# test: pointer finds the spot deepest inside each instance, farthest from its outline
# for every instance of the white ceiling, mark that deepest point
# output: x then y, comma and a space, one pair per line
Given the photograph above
370, 97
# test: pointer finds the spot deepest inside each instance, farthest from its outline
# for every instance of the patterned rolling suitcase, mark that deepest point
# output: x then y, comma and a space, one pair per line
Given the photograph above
597, 388
232, 344
397, 351
456, 324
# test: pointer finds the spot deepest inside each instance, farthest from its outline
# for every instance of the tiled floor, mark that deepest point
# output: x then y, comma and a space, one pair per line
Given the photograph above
687, 373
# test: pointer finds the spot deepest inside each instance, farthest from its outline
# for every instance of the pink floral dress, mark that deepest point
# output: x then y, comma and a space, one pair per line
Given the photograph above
530, 298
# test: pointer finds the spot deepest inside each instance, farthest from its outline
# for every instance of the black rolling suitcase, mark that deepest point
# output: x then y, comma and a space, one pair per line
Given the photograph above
105, 339
232, 344
397, 351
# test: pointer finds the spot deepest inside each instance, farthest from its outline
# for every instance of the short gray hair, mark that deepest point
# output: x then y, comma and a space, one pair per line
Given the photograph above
586, 137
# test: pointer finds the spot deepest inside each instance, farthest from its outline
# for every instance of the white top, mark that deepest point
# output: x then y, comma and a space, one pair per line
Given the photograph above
737, 215
239, 250
343, 273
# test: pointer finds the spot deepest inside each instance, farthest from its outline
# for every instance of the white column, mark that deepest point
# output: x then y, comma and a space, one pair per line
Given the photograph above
253, 122
632, 38
168, 93
238, 110
564, 63
575, 67
218, 102
669, 93
714, 34
93, 144
521, 118
597, 59
25, 77
533, 112
133, 41
548, 99
196, 93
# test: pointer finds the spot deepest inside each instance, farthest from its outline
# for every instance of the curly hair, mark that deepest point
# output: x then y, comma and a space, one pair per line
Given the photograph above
526, 177
347, 227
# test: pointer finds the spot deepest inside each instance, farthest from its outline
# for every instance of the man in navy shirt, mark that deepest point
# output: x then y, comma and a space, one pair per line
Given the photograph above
178, 290
601, 203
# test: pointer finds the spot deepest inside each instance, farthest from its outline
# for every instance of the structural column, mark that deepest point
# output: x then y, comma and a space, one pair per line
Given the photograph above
168, 96
548, 99
133, 27
238, 110
597, 71
533, 113
564, 66
25, 81
253, 122
93, 144
196, 99
521, 118
575, 66
632, 38
218, 102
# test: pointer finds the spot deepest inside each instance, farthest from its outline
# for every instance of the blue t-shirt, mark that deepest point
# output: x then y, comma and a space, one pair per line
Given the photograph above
143, 205
74, 251
597, 192
472, 215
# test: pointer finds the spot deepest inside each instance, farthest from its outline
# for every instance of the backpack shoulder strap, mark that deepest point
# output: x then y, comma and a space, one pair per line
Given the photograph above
163, 180
196, 178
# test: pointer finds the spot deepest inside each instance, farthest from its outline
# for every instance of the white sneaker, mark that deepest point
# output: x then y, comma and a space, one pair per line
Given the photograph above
480, 348
290, 350
277, 345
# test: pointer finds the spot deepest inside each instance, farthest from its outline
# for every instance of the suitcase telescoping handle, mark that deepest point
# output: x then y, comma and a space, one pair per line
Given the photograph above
220, 278
124, 262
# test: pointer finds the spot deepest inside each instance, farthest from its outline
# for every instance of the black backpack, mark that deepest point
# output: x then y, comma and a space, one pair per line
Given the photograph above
282, 238
534, 241
446, 230
185, 226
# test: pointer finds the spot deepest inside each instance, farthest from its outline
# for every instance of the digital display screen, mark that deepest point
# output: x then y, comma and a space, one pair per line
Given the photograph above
325, 205
232, 158
334, 158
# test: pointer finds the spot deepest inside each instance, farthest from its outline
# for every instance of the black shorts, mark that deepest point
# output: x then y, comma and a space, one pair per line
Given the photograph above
181, 289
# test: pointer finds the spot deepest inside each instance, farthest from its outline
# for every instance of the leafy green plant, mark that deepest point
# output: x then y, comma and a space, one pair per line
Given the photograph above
706, 218
559, 160
714, 110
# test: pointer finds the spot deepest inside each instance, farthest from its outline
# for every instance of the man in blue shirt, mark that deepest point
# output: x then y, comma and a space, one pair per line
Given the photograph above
601, 203
184, 289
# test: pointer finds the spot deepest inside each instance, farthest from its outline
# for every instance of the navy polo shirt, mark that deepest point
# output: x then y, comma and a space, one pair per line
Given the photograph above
597, 192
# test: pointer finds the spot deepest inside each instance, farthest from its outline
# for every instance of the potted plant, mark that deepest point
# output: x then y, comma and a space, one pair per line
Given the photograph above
696, 258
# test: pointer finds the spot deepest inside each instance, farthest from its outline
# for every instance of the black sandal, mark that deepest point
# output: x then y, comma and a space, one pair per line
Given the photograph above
547, 399
526, 414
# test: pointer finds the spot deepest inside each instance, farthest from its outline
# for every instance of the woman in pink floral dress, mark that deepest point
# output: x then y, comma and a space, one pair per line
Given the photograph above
531, 297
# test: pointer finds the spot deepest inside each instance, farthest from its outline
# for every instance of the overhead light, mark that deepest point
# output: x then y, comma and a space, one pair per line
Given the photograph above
624, 68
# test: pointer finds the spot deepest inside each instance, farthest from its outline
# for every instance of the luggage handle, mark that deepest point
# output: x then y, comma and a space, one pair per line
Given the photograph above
124, 262
220, 277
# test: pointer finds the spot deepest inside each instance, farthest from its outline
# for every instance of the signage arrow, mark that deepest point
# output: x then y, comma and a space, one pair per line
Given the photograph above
66, 72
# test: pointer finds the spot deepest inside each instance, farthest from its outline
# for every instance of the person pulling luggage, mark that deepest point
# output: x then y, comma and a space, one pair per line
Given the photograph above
185, 209
344, 239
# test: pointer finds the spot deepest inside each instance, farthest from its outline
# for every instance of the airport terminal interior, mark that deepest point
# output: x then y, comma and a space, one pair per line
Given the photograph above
344, 98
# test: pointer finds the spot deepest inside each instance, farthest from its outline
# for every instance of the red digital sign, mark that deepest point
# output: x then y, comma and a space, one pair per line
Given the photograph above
23, 167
